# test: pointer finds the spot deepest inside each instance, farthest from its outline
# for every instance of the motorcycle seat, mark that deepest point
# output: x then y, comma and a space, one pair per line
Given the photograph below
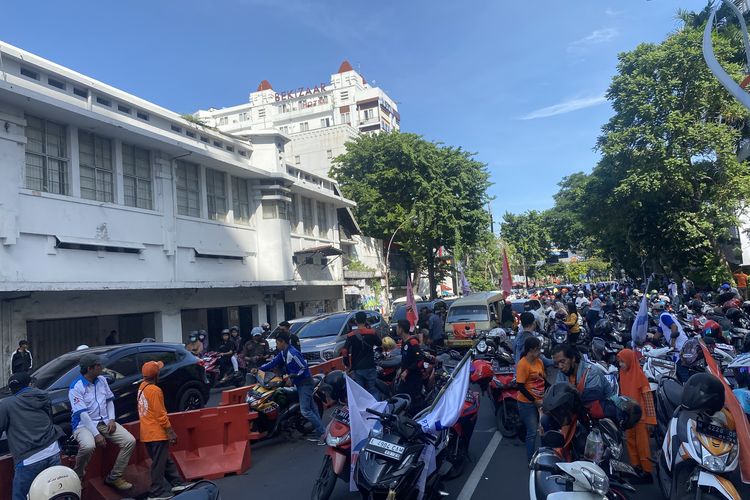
672, 391
543, 485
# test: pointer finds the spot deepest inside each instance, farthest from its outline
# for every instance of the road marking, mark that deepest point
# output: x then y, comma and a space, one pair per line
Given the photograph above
476, 475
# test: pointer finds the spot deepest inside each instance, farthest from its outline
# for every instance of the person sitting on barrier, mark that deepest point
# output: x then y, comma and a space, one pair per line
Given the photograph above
26, 419
194, 345
299, 374
157, 434
226, 351
256, 350
359, 356
93, 423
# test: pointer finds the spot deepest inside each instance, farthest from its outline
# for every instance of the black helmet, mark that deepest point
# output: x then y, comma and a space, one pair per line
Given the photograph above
337, 382
602, 327
746, 306
561, 401
695, 305
598, 348
733, 314
691, 352
704, 392
630, 412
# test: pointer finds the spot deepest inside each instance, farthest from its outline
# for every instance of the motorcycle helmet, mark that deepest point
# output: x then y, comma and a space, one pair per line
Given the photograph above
746, 306
712, 329
733, 314
498, 334
337, 382
696, 306
56, 483
691, 352
603, 327
561, 402
630, 412
658, 306
704, 392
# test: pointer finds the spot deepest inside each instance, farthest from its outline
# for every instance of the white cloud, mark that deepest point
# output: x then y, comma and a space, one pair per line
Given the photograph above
609, 12
596, 37
564, 107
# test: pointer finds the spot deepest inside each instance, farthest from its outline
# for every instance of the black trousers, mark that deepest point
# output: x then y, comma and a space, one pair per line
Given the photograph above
162, 468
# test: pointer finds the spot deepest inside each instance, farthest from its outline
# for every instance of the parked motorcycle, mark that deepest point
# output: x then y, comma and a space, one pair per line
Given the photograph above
210, 362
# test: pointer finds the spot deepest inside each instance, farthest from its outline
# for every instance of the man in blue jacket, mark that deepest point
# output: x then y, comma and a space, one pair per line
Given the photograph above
299, 374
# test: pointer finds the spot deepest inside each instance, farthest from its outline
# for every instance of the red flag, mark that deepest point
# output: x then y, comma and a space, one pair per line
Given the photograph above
411, 305
740, 420
507, 280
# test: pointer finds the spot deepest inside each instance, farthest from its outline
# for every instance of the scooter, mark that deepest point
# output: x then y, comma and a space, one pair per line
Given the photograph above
213, 373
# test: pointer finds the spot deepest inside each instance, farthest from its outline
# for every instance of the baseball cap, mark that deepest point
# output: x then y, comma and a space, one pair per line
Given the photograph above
151, 369
19, 381
89, 360
256, 331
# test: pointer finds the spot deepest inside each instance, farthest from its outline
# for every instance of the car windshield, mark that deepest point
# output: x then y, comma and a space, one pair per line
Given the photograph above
458, 314
323, 327
45, 376
400, 312
297, 326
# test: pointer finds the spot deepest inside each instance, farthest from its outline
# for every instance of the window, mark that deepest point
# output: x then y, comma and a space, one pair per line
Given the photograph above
274, 209
346, 117
29, 73
46, 156
344, 95
103, 101
136, 170
141, 115
292, 214
369, 114
188, 189
307, 216
56, 83
297, 160
81, 92
121, 368
224, 120
325, 122
177, 129
97, 179
190, 134
218, 144
230, 149
322, 220
261, 113
241, 200
123, 109
216, 194
304, 127
166, 357
284, 129
329, 153
204, 139
243, 152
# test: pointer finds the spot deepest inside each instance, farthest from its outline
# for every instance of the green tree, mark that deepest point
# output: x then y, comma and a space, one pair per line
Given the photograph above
669, 186
436, 193
528, 234
566, 223
483, 263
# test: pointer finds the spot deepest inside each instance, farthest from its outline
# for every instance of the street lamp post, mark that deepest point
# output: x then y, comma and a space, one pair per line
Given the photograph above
388, 265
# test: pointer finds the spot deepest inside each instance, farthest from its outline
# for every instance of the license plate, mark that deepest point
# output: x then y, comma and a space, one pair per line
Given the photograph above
342, 415
505, 370
716, 431
621, 467
385, 449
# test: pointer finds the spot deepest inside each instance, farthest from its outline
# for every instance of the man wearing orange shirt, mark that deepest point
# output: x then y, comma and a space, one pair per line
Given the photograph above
741, 278
157, 434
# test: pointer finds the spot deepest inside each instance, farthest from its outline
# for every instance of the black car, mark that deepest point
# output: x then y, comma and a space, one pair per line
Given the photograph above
182, 379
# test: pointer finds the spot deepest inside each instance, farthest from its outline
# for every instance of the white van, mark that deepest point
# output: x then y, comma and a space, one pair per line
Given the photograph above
471, 315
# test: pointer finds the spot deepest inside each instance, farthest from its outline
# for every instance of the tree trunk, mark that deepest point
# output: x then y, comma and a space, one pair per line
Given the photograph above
431, 273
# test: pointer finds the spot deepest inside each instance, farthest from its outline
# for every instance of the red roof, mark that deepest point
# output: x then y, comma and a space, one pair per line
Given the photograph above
345, 66
264, 85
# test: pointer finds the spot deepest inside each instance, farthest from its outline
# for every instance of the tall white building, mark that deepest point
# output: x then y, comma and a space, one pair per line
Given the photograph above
117, 214
319, 118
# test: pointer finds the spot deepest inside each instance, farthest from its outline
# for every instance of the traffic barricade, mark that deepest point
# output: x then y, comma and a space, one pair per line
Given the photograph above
212, 442
234, 396
6, 477
328, 366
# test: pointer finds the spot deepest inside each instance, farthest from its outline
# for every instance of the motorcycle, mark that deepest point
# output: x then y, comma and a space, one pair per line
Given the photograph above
387, 367
210, 361
278, 406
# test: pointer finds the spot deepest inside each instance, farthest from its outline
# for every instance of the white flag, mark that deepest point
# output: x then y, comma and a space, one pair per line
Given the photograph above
640, 324
360, 422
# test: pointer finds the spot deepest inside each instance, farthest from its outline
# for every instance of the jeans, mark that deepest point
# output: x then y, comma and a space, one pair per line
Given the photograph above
86, 447
307, 405
162, 467
25, 475
367, 379
530, 418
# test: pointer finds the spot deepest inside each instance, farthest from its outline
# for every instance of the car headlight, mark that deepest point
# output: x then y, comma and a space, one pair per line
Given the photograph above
481, 346
337, 441
327, 355
599, 481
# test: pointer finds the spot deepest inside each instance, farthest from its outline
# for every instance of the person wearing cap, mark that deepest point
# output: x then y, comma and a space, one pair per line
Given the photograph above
21, 360
26, 419
194, 345
93, 422
256, 350
157, 434
359, 356
298, 373
286, 326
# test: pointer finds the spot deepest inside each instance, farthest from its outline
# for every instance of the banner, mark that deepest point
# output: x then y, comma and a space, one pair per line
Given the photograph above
360, 423
639, 330
507, 279
411, 306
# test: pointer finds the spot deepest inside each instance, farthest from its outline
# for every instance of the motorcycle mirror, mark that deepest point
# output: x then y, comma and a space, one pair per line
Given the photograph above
553, 439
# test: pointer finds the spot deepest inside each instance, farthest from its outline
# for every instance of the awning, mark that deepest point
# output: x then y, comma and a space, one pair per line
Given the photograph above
326, 250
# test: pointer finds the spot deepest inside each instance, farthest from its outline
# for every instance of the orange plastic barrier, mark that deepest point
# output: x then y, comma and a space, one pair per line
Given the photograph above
234, 396
6, 477
212, 442
328, 366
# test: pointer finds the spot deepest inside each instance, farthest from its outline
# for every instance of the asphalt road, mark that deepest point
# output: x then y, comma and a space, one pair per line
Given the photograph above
289, 468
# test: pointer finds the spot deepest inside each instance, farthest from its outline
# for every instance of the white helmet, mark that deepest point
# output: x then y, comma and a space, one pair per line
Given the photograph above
82, 347
56, 482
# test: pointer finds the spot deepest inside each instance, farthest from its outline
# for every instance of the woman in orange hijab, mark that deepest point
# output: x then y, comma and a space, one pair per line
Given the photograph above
634, 384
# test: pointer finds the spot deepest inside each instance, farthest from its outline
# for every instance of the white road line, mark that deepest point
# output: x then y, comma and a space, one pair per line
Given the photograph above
476, 475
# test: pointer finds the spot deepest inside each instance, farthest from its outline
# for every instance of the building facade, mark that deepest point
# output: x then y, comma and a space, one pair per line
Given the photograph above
117, 214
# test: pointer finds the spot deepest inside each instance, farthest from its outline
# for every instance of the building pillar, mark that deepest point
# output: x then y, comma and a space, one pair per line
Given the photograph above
168, 326
279, 312
262, 316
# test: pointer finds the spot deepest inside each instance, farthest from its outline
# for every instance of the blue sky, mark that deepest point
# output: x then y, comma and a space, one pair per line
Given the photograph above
520, 83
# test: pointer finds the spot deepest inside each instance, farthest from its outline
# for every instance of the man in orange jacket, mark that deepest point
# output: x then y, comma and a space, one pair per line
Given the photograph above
157, 434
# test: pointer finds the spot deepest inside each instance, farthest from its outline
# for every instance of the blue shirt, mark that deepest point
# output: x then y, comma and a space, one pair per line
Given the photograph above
436, 327
294, 363
743, 396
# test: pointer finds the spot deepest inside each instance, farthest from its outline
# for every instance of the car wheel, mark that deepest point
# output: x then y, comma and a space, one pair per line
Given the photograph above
190, 399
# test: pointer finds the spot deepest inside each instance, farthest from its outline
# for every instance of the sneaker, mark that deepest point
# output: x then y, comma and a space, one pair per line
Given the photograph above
181, 487
118, 484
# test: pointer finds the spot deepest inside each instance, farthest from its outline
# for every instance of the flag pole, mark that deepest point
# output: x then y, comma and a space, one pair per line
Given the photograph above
460, 365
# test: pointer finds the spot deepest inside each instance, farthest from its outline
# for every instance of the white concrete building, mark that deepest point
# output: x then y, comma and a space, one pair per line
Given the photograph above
118, 214
319, 119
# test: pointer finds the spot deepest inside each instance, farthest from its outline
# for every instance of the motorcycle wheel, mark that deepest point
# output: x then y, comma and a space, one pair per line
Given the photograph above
326, 482
505, 423
458, 457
